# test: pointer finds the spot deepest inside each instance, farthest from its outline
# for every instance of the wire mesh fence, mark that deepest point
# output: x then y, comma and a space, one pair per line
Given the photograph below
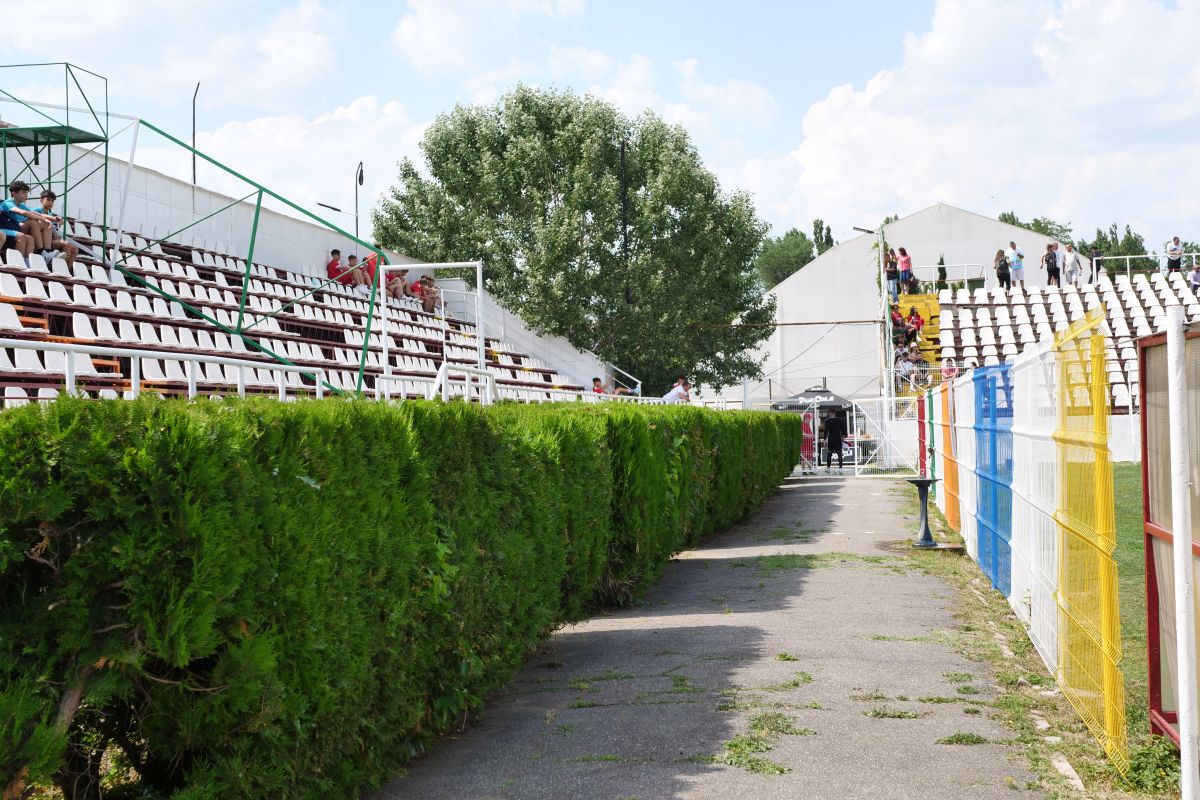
1090, 628
1035, 493
1024, 454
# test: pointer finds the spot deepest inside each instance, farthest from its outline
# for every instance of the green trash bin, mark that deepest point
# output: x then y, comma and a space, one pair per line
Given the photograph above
976, 283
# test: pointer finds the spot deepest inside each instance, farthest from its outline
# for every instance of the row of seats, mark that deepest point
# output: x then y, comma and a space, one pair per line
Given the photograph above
294, 315
989, 325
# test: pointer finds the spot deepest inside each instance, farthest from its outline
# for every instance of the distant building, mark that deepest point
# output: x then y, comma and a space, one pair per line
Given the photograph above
842, 286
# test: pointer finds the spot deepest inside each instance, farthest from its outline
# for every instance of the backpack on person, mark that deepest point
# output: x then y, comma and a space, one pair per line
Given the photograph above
1050, 261
1002, 266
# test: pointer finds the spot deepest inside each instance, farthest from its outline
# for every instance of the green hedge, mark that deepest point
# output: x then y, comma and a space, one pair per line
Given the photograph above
256, 599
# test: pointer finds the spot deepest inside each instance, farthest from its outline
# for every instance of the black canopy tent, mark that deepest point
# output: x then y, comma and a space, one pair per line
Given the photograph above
824, 399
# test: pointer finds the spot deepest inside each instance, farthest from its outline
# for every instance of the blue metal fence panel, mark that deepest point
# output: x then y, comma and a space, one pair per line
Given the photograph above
994, 451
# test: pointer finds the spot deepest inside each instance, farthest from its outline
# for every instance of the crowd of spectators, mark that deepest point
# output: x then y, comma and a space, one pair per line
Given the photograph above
361, 277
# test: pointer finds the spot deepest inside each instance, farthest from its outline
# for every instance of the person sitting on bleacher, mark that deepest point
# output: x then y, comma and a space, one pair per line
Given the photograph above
949, 370
57, 241
397, 285
27, 229
430, 295
359, 278
1194, 278
915, 320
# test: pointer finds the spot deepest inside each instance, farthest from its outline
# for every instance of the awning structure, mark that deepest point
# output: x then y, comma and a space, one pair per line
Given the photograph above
816, 395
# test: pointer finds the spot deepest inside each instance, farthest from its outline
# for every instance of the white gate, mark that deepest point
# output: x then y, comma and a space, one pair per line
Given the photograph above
883, 433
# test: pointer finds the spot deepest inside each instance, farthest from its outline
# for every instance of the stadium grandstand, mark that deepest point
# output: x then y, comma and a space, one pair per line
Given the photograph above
184, 290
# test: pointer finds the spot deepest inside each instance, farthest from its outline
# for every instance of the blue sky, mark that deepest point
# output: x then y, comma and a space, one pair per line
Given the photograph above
1082, 110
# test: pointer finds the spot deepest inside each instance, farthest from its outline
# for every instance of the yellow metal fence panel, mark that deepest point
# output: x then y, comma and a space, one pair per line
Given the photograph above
1089, 651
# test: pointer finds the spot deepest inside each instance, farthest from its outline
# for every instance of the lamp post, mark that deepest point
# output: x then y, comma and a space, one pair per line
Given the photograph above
194, 94
358, 181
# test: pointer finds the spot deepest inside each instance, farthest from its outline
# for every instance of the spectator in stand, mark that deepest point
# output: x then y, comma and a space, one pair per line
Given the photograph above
57, 241
336, 271
949, 370
1097, 264
892, 272
1003, 275
1016, 263
678, 394
1050, 262
397, 285
431, 297
915, 321
833, 435
901, 333
1193, 278
1174, 255
361, 284
1072, 265
598, 386
904, 263
29, 230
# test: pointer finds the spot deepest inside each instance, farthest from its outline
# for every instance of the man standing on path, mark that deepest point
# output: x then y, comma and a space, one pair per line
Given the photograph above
835, 432
1016, 264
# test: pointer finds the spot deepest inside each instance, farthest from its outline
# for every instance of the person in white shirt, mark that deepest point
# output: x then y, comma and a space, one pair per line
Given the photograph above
678, 394
1072, 265
1194, 278
1016, 264
1174, 255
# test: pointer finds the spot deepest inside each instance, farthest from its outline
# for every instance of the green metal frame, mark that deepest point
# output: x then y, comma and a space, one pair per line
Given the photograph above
61, 133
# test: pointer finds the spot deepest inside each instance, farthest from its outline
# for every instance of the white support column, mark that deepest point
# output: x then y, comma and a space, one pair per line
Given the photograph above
1181, 529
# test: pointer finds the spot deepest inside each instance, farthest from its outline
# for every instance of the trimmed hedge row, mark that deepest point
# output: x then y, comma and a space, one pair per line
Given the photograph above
256, 599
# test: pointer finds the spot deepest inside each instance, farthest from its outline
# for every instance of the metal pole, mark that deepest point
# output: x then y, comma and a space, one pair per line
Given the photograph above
358, 181
1181, 534
124, 199
624, 208
479, 314
381, 276
194, 95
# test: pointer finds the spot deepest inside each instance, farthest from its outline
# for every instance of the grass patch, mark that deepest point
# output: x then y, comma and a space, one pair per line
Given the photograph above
883, 637
798, 679
871, 697
607, 758
891, 712
967, 690
964, 738
772, 565
936, 700
783, 533
786, 657
958, 677
581, 703
773, 723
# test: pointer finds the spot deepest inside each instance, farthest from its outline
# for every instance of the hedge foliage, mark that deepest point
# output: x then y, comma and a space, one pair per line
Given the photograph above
262, 599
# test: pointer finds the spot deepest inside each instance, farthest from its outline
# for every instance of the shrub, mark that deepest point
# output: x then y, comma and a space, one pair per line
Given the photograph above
261, 599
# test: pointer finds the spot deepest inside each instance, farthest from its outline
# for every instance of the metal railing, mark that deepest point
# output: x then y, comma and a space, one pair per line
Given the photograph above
193, 360
1159, 265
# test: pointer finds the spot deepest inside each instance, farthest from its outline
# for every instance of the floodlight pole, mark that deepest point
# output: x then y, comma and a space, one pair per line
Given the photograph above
358, 181
1181, 551
194, 95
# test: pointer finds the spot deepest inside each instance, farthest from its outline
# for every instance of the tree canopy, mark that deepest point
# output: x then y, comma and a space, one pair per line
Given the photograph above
783, 255
532, 186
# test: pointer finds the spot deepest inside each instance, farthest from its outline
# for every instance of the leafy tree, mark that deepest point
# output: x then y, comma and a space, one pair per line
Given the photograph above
1114, 242
1059, 231
533, 186
822, 236
782, 256
941, 272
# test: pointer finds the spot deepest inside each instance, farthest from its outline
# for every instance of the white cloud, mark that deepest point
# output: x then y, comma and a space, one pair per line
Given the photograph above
306, 159
456, 36
1082, 111
267, 60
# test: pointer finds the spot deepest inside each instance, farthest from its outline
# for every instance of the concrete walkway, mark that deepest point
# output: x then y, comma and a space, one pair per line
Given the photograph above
637, 703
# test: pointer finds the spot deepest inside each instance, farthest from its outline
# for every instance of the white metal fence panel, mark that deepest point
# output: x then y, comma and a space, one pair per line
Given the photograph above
1035, 488
884, 436
968, 481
